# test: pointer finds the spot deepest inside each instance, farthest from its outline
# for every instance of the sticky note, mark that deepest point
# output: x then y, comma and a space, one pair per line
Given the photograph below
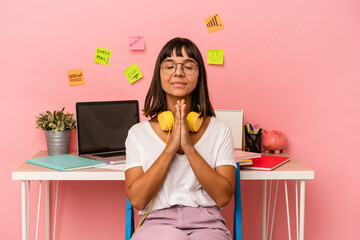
133, 73
214, 23
102, 56
137, 43
76, 77
215, 56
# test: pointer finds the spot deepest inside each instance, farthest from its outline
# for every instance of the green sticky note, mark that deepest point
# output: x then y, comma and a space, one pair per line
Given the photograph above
133, 73
102, 56
215, 56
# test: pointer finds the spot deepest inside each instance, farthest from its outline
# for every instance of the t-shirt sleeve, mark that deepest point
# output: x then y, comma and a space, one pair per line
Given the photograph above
226, 150
132, 152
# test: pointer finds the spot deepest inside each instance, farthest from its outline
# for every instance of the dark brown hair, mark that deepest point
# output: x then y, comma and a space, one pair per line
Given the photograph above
155, 101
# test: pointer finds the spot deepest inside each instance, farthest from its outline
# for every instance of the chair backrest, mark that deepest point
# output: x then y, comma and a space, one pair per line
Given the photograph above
129, 225
237, 207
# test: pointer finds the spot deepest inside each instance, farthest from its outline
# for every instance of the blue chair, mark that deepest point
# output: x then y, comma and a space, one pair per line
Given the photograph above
237, 207
129, 225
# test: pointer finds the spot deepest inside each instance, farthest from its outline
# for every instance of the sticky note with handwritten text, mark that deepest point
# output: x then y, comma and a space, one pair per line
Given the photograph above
215, 56
214, 23
137, 43
133, 73
102, 56
76, 77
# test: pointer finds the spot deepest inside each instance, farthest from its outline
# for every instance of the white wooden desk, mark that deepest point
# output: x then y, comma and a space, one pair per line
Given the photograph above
293, 170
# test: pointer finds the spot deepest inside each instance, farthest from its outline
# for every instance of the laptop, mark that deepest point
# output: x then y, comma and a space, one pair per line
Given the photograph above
102, 128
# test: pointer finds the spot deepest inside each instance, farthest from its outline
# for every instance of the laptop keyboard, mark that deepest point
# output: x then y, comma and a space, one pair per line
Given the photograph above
112, 154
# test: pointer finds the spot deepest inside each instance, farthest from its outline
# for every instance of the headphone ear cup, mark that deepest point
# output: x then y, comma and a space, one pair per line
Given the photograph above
166, 120
194, 121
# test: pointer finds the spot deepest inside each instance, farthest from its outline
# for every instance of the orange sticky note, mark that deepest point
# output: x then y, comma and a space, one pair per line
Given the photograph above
214, 23
76, 77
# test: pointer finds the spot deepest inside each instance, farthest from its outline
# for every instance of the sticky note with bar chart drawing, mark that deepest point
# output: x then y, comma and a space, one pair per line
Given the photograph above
214, 23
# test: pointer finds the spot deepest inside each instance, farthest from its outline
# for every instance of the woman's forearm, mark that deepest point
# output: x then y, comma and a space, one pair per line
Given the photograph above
220, 185
142, 187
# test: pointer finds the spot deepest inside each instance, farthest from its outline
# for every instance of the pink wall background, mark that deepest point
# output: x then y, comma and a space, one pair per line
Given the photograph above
290, 65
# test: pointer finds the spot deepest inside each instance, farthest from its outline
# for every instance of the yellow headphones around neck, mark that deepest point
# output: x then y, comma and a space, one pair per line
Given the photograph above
166, 120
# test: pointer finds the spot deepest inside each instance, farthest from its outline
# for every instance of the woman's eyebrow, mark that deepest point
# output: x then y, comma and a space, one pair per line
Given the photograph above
183, 60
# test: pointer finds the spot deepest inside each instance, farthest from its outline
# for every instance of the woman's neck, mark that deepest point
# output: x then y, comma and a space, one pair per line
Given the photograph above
171, 102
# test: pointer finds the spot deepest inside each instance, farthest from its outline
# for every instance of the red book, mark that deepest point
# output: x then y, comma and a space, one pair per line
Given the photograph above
267, 162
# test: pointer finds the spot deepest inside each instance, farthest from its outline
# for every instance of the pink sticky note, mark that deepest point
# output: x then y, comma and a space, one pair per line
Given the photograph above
137, 43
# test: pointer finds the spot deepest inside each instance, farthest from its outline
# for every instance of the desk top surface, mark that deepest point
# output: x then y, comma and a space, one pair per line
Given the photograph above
291, 170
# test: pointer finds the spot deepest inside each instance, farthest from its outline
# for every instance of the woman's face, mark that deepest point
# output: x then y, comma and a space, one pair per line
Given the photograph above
180, 83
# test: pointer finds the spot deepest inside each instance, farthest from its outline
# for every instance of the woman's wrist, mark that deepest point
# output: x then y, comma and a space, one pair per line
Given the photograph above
190, 150
170, 150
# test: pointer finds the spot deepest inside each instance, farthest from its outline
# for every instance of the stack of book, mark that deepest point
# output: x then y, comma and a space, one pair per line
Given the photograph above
256, 161
245, 158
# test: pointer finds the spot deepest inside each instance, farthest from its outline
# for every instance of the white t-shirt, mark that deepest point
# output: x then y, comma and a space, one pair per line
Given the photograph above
181, 187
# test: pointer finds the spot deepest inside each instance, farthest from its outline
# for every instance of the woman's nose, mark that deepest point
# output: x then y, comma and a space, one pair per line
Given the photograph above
179, 71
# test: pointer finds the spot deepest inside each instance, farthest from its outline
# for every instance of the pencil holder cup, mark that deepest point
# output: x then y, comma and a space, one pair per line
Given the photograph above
252, 141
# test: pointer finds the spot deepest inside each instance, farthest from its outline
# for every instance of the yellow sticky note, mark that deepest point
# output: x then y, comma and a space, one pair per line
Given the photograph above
215, 56
133, 73
214, 23
76, 77
102, 56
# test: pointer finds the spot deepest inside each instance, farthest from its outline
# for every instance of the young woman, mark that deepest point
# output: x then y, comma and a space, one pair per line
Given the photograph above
180, 174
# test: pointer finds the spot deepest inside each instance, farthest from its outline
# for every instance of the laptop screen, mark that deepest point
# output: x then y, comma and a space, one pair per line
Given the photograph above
103, 126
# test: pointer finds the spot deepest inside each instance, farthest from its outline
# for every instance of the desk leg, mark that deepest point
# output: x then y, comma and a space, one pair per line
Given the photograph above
23, 209
28, 210
302, 208
264, 212
47, 210
287, 208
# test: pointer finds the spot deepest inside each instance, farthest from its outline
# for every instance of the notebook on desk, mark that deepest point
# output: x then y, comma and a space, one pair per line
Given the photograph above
102, 128
235, 119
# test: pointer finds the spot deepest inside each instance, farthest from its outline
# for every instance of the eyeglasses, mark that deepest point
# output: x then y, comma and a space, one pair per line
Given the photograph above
169, 67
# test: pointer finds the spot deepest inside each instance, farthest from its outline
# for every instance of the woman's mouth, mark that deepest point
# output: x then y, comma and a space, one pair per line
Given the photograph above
178, 84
